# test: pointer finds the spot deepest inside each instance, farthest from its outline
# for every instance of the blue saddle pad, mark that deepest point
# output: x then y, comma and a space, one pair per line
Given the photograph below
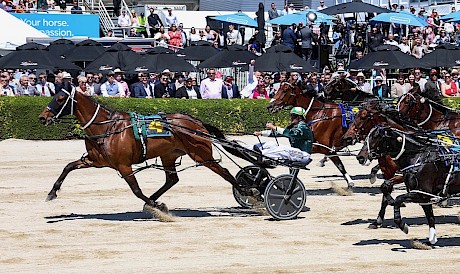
347, 115
149, 126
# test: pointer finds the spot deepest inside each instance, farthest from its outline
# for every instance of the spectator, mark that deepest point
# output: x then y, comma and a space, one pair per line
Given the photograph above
142, 89
314, 87
109, 33
233, 36
90, 85
133, 33
306, 35
141, 27
62, 5
391, 41
193, 36
82, 87
154, 22
399, 88
291, 9
44, 87
321, 5
285, 11
175, 37
134, 20
412, 83
162, 89
211, 35
229, 89
162, 37
24, 89
183, 35
171, 19
277, 84
221, 38
381, 90
211, 87
97, 84
442, 38
116, 7
362, 84
111, 88
418, 50
76, 9
289, 37
124, 21
433, 86
260, 92
119, 77
189, 91
449, 88
419, 80
455, 79
272, 14
404, 46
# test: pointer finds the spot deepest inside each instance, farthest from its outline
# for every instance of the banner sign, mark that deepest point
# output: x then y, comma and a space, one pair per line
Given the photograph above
62, 25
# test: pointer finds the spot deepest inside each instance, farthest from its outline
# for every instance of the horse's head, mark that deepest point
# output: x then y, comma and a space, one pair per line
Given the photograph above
412, 106
381, 141
63, 103
286, 96
361, 126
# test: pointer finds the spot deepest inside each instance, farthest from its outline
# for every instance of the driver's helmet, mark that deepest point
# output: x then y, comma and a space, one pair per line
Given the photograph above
298, 111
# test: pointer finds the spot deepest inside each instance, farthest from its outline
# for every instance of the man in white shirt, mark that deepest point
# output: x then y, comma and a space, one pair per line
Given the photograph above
233, 36
291, 9
44, 87
321, 5
111, 88
391, 41
171, 19
404, 46
419, 80
211, 87
124, 21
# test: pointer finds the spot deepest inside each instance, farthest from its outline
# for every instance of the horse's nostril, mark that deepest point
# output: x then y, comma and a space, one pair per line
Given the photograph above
360, 159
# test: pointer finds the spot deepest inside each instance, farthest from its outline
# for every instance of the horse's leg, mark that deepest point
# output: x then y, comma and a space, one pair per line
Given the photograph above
338, 163
79, 164
126, 172
171, 177
373, 175
322, 162
397, 212
386, 188
431, 223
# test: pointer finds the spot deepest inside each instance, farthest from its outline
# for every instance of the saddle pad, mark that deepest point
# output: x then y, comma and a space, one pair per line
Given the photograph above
347, 115
149, 126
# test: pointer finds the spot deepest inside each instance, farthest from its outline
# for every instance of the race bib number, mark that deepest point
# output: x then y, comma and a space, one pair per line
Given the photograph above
156, 125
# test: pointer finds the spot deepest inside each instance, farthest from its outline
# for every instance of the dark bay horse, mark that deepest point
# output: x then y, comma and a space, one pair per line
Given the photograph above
110, 142
427, 166
325, 119
428, 114
345, 90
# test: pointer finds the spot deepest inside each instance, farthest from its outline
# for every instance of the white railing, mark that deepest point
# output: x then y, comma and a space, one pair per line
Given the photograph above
104, 17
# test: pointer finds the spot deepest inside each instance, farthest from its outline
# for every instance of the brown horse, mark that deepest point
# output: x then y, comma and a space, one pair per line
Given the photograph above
345, 90
428, 114
325, 119
110, 142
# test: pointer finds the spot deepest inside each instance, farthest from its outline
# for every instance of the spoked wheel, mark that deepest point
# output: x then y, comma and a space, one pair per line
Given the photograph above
251, 176
283, 201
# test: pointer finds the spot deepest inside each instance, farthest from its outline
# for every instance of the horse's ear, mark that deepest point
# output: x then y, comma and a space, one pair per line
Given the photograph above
416, 90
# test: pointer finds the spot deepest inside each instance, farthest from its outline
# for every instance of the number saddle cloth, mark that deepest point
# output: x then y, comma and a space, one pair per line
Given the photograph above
149, 126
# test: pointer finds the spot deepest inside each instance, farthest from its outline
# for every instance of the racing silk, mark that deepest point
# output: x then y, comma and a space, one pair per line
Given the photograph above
300, 135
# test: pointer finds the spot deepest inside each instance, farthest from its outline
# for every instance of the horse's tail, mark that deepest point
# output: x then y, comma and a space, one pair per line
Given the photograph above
229, 146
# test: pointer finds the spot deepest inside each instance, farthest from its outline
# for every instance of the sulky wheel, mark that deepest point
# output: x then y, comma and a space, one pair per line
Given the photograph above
281, 203
251, 177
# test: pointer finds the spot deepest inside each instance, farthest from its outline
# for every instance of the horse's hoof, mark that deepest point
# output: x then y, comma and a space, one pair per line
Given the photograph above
162, 207
379, 221
51, 197
402, 204
405, 229
373, 226
320, 164
372, 178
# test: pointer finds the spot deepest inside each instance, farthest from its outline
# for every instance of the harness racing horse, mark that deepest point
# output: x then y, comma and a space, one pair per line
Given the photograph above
428, 169
110, 142
325, 119
345, 90
427, 113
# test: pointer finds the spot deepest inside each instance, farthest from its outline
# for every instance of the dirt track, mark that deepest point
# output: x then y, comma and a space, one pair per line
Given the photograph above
97, 225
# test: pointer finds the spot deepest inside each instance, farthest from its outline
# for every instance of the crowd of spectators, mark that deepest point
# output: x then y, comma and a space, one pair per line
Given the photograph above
33, 6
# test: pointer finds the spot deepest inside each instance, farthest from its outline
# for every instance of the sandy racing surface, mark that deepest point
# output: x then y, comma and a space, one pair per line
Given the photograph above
97, 224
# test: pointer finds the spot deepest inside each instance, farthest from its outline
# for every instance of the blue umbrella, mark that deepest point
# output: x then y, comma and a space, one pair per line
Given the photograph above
299, 17
451, 15
237, 18
454, 18
400, 18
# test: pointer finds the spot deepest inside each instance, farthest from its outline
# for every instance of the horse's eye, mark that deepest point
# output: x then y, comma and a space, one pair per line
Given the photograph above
60, 99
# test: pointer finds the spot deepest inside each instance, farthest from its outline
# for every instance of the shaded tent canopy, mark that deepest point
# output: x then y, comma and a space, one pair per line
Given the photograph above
229, 58
85, 51
61, 46
238, 18
352, 7
277, 61
158, 63
159, 50
445, 55
198, 53
279, 48
35, 56
404, 18
117, 56
390, 58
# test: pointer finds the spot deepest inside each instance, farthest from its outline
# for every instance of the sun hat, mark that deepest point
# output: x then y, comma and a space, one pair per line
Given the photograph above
378, 78
66, 75
117, 70
360, 74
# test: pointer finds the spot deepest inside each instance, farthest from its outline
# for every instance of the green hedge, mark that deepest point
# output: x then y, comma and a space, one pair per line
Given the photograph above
19, 115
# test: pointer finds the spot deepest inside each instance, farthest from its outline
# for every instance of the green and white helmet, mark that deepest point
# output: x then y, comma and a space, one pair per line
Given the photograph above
298, 111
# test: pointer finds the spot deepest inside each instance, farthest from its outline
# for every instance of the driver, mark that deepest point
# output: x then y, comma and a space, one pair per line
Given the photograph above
299, 134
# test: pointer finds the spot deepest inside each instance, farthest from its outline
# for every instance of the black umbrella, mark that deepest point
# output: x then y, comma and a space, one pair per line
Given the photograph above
160, 50
277, 61
260, 37
85, 51
201, 43
228, 58
60, 46
443, 56
198, 53
236, 47
117, 56
33, 56
354, 6
279, 48
389, 59
158, 63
